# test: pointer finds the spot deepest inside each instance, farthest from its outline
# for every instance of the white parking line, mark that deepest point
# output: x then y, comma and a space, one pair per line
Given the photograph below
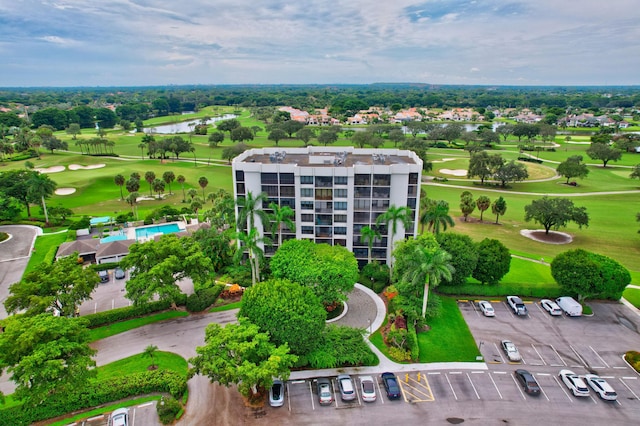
630, 378
145, 405
454, 392
518, 386
561, 386
599, 357
473, 386
499, 372
498, 352
579, 357
541, 359
544, 374
380, 391
433, 373
313, 405
541, 389
627, 386
561, 359
473, 305
495, 386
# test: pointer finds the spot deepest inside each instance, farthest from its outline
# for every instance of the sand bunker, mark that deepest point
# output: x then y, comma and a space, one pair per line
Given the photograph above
553, 237
443, 160
457, 172
79, 167
52, 169
65, 191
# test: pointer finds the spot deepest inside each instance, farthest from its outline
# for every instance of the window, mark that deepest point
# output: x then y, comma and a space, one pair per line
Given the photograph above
324, 231
363, 180
240, 175
382, 180
411, 203
339, 242
361, 217
240, 188
340, 193
340, 230
289, 202
307, 230
324, 182
413, 178
287, 191
324, 219
306, 217
324, 207
287, 179
412, 191
360, 252
340, 180
306, 205
269, 178
340, 218
380, 205
306, 192
362, 205
324, 194
363, 192
381, 192
271, 190
306, 180
340, 205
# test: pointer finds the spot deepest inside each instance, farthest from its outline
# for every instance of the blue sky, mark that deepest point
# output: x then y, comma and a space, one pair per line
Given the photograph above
159, 42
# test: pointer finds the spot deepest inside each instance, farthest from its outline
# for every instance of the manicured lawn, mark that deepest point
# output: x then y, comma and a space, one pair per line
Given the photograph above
43, 244
633, 296
449, 339
122, 326
140, 362
227, 307
103, 410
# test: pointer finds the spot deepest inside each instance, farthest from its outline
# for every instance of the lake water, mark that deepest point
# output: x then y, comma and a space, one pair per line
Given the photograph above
185, 126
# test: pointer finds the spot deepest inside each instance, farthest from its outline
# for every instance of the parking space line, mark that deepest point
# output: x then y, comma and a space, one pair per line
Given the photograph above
419, 392
454, 392
313, 405
544, 374
333, 391
627, 386
145, 405
473, 305
518, 387
579, 357
594, 401
495, 386
630, 378
541, 359
561, 386
561, 359
433, 373
499, 372
509, 309
498, 352
599, 357
620, 368
380, 392
472, 385
541, 388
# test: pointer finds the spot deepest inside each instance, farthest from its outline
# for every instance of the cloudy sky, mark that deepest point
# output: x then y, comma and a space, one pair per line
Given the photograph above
158, 42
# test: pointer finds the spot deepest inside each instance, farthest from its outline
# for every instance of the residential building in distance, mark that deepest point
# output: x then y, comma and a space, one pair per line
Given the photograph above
334, 192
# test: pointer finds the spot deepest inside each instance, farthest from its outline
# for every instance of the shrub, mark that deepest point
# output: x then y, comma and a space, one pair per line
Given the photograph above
633, 358
121, 314
83, 223
412, 342
375, 276
50, 256
168, 409
3, 236
399, 355
198, 302
340, 347
104, 266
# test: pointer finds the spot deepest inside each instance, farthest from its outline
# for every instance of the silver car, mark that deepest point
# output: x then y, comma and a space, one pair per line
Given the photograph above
368, 389
551, 307
325, 395
120, 417
276, 393
486, 308
601, 387
347, 390
511, 351
575, 384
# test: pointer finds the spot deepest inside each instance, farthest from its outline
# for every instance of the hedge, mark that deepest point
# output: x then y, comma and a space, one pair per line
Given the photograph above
198, 302
120, 314
412, 342
480, 290
95, 394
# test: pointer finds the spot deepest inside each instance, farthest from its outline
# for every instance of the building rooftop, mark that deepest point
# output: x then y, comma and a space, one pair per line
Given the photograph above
329, 157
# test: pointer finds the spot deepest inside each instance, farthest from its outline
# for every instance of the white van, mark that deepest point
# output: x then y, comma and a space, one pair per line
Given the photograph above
570, 306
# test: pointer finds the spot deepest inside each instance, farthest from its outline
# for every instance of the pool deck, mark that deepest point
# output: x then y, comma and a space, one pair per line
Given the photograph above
131, 232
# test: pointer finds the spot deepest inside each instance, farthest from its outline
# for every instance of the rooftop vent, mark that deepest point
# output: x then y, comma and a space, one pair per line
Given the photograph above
278, 156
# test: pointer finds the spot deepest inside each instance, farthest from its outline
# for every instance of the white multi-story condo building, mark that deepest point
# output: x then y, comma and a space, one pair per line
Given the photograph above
334, 192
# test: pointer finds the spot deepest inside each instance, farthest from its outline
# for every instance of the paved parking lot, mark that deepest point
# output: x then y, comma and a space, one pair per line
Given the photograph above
143, 414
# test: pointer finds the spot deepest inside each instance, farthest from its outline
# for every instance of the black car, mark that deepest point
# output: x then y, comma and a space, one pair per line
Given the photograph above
104, 276
118, 273
528, 382
390, 382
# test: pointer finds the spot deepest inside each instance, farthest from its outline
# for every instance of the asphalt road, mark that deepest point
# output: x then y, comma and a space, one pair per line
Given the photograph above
14, 257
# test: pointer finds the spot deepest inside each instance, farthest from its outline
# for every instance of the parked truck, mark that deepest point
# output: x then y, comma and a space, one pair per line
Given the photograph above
517, 305
569, 306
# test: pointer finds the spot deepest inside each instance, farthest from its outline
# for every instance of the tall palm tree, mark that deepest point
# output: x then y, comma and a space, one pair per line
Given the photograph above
181, 180
428, 268
142, 146
41, 187
280, 216
150, 177
393, 216
132, 200
483, 202
249, 207
119, 180
203, 182
150, 351
369, 234
438, 217
158, 187
251, 242
168, 177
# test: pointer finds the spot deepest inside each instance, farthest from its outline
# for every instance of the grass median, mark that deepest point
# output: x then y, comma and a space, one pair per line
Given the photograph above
122, 326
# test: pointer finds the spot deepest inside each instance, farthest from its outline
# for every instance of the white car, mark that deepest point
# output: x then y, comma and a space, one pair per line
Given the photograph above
120, 417
551, 307
511, 351
368, 388
601, 387
575, 384
486, 308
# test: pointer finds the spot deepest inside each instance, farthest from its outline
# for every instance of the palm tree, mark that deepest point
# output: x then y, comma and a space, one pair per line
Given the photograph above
281, 215
158, 186
438, 216
181, 180
499, 208
428, 268
142, 146
133, 185
150, 177
168, 177
203, 182
393, 216
250, 206
119, 180
369, 235
150, 351
41, 186
483, 202
132, 200
251, 242
192, 192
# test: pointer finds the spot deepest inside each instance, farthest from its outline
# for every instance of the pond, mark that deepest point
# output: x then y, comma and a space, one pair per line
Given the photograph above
185, 126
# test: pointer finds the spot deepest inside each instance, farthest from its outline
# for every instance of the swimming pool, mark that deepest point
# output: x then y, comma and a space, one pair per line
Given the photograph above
150, 231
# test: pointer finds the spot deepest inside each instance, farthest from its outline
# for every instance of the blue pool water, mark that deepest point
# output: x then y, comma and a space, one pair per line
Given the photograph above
147, 231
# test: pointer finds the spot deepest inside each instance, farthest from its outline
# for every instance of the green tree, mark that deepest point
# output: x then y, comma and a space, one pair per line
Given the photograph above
429, 268
150, 176
289, 312
133, 185
119, 180
511, 172
132, 200
464, 255
228, 125
40, 188
281, 216
55, 288
587, 275
181, 180
483, 165
369, 235
241, 134
499, 208
483, 202
305, 134
150, 351
242, 355
396, 136
437, 217
203, 182
467, 204
215, 139
555, 213
250, 209
159, 265
158, 187
505, 130
216, 244
330, 271
635, 173
277, 135
604, 153
168, 177
494, 261
73, 130
250, 242
573, 167
327, 137
45, 355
